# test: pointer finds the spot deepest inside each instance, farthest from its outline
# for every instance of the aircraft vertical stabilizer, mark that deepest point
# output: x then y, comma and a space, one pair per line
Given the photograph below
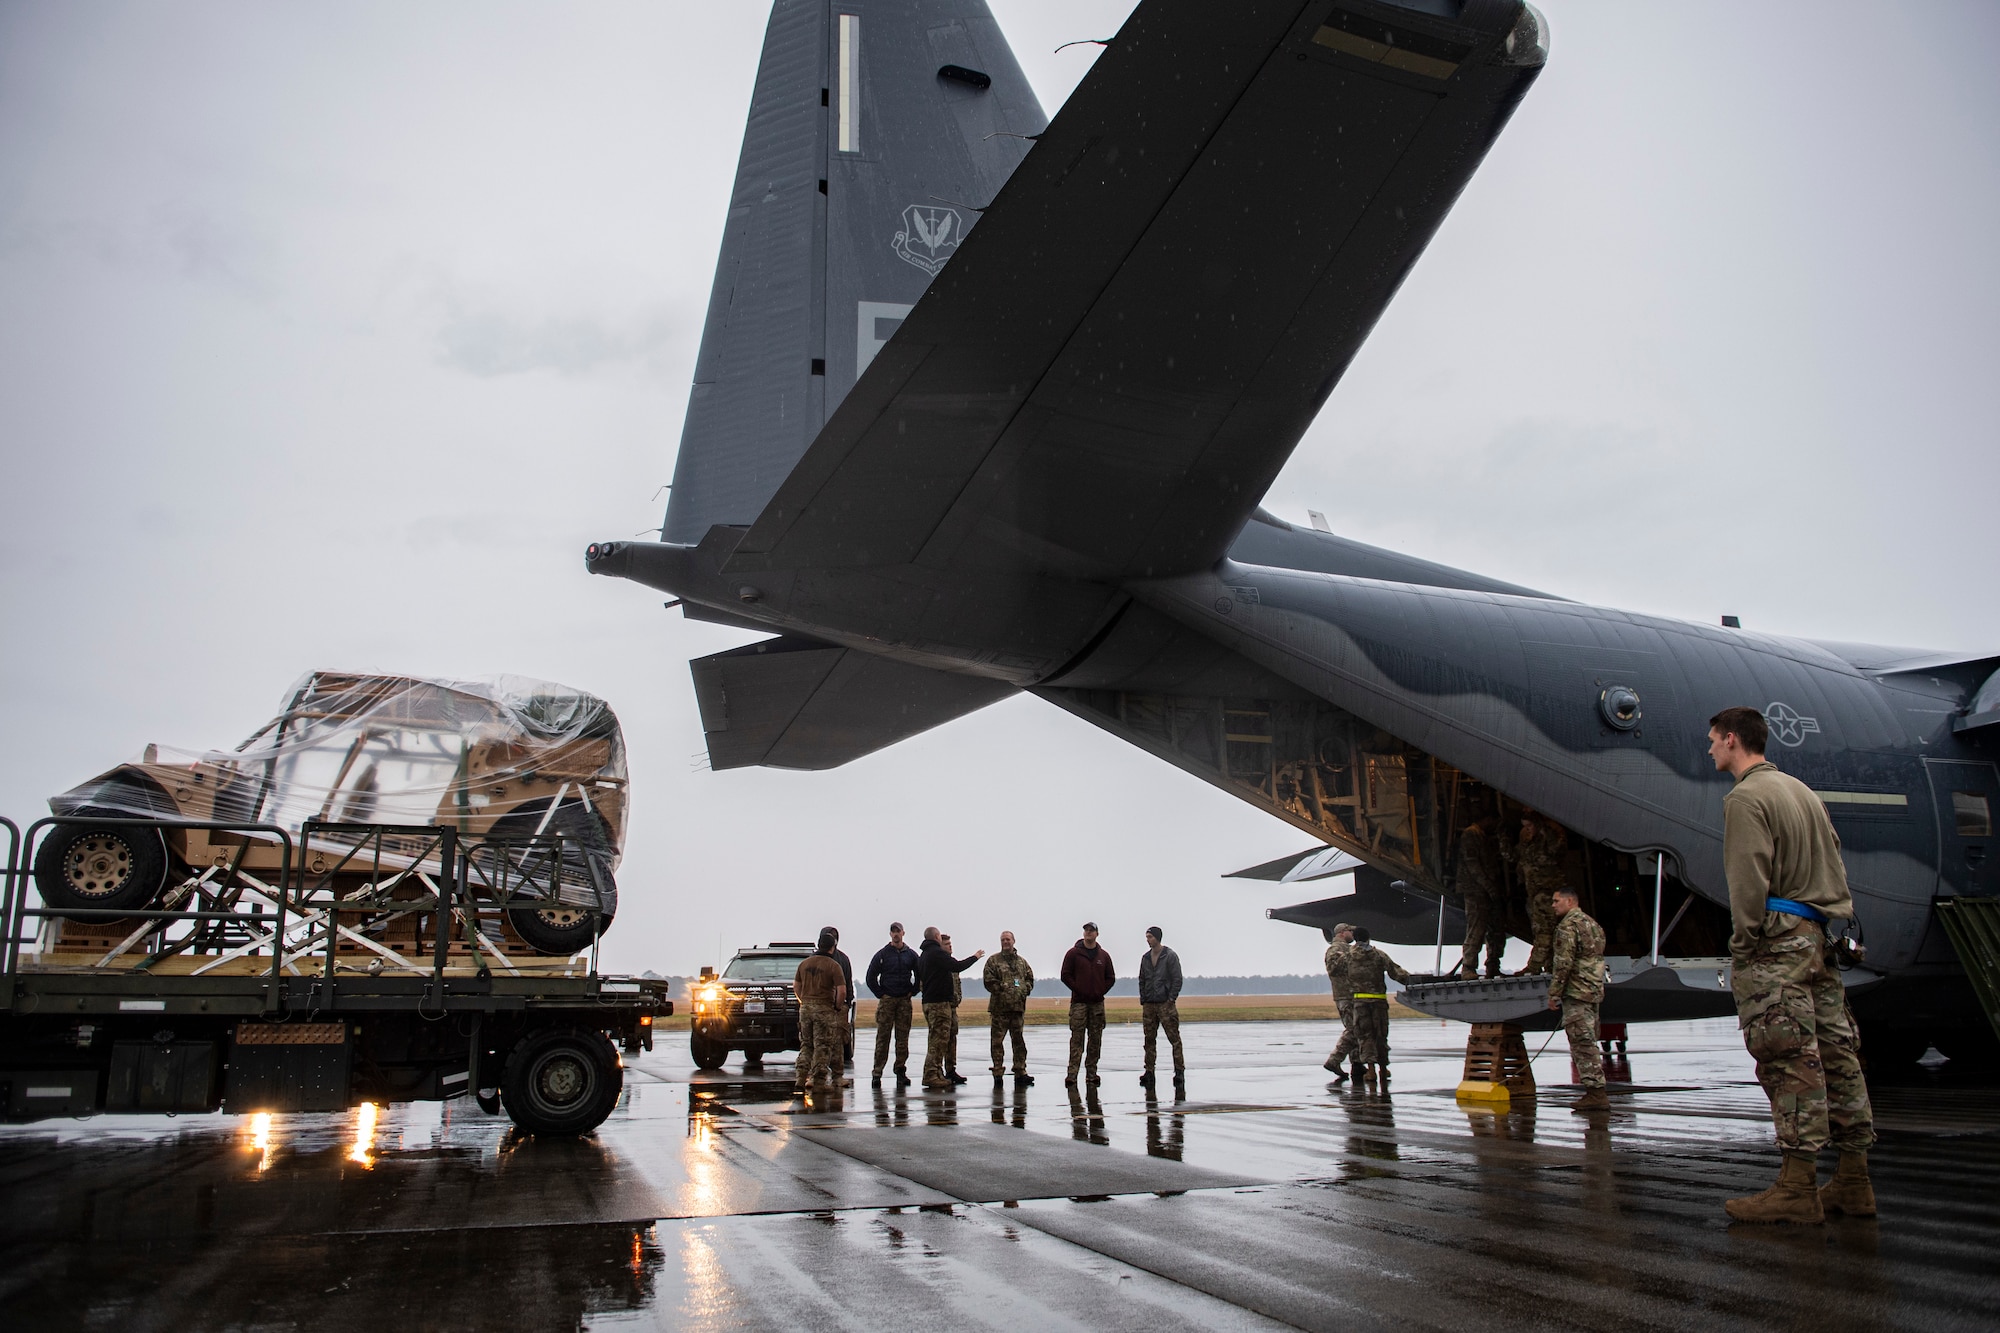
876, 134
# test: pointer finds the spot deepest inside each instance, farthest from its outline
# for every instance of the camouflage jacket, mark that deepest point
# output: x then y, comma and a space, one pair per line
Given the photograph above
1541, 858
1367, 966
1336, 969
1578, 971
1478, 867
1009, 980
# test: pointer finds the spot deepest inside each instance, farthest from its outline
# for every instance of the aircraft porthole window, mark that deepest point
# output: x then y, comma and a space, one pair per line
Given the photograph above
1620, 706
1971, 816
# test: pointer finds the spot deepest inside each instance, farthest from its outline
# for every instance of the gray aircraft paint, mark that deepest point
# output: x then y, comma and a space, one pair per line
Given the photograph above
1046, 476
810, 279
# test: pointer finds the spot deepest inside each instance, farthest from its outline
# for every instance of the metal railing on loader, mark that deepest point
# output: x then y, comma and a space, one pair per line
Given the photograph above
344, 895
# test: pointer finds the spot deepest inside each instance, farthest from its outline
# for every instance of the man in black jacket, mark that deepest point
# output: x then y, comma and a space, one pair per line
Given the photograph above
936, 970
892, 980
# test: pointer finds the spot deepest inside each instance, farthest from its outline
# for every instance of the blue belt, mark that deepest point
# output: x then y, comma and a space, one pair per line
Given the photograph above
1790, 908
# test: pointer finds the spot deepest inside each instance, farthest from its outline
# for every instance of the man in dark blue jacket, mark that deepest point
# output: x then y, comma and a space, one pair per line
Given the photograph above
892, 980
936, 970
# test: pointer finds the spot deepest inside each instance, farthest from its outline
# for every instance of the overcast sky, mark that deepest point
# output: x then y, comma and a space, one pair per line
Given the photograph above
329, 336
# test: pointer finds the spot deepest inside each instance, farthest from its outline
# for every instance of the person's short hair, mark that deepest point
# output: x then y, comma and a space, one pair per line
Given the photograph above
1361, 934
1747, 725
1567, 892
1156, 932
827, 939
930, 932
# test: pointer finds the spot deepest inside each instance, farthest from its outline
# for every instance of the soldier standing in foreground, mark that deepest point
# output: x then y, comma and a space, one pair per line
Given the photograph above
1159, 989
892, 980
847, 975
1478, 883
1343, 999
1009, 982
1367, 967
1087, 971
1540, 853
1576, 987
822, 993
957, 998
1786, 880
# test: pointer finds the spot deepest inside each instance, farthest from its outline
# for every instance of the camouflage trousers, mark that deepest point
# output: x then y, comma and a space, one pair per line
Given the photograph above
1155, 1017
1482, 927
1796, 1025
1542, 920
951, 1042
1580, 1026
1349, 1038
1371, 1031
940, 1023
892, 1019
822, 1042
1007, 1023
1086, 1036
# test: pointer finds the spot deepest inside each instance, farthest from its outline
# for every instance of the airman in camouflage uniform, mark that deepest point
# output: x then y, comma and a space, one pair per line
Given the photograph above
1367, 971
1786, 881
1009, 982
1540, 854
1343, 999
822, 991
1576, 986
1478, 883
957, 999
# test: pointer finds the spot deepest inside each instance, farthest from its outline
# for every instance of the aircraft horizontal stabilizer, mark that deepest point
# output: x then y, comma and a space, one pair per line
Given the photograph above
1392, 915
799, 703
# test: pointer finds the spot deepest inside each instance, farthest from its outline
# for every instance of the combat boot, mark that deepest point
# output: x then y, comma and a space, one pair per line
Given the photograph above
1849, 1191
1335, 1068
1146, 1079
1792, 1199
1593, 1099
1180, 1085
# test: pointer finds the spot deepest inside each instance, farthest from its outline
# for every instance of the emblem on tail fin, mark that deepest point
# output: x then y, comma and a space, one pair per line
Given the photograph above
930, 235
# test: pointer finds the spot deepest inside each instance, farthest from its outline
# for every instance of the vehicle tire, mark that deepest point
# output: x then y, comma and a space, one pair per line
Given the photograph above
96, 866
588, 851
707, 1054
563, 1081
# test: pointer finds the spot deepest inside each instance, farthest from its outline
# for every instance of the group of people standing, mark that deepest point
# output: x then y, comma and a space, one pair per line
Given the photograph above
901, 977
1537, 852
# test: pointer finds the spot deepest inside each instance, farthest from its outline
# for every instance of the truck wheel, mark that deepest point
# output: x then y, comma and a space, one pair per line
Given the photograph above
562, 1081
564, 928
707, 1054
89, 865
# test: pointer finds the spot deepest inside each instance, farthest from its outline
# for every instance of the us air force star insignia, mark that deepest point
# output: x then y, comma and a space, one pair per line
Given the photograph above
1787, 727
930, 235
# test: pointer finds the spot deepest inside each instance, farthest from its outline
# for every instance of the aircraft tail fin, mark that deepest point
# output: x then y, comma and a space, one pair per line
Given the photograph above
873, 141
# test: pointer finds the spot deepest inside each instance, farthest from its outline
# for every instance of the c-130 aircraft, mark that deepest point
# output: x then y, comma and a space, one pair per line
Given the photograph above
987, 403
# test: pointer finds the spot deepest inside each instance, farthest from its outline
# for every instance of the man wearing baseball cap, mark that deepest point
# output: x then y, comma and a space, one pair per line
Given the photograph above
1341, 943
1087, 971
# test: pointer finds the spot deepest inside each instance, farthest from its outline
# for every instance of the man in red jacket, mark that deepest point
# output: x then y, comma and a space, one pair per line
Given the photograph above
1086, 970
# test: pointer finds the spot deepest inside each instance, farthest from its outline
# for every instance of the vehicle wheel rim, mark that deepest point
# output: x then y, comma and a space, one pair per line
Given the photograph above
562, 1080
561, 918
98, 865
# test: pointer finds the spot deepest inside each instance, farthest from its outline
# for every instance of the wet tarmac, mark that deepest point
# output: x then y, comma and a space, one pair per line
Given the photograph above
1264, 1199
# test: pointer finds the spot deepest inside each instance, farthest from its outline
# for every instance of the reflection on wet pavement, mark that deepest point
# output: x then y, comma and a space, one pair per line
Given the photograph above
721, 1199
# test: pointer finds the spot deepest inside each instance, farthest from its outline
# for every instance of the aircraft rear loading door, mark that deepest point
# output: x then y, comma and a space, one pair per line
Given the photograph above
1967, 796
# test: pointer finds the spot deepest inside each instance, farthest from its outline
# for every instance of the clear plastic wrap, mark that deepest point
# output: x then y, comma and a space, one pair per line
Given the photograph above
497, 758
388, 750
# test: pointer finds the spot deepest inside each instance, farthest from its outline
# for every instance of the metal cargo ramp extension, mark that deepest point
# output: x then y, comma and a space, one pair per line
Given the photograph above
1974, 927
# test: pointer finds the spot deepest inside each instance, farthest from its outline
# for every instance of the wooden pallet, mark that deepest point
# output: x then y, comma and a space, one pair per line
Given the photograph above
1496, 1055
